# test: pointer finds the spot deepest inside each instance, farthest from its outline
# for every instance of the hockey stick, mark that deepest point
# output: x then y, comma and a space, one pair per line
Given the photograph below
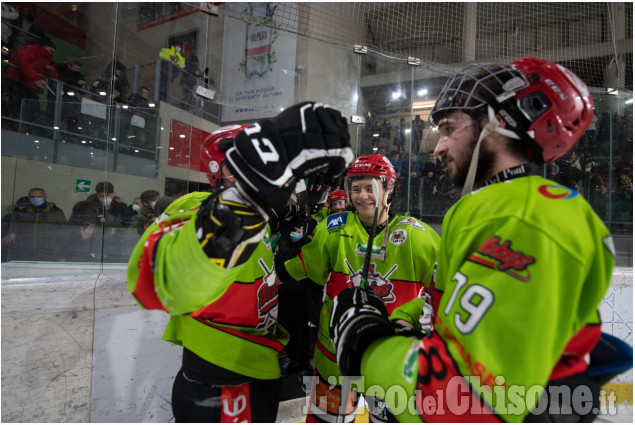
346, 382
371, 236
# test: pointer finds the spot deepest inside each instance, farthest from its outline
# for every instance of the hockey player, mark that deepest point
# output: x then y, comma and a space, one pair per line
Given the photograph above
523, 264
403, 253
208, 263
338, 201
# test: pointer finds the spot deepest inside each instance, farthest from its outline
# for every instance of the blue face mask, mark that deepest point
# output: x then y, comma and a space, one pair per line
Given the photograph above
296, 236
36, 202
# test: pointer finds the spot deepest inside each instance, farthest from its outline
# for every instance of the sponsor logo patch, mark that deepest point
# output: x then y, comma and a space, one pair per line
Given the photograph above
554, 191
411, 222
398, 237
360, 251
505, 259
336, 220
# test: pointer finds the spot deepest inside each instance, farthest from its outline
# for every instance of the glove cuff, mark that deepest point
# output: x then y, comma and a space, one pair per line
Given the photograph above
356, 338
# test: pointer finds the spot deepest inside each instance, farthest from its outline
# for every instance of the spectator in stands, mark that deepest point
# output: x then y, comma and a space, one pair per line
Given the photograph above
140, 99
400, 136
149, 200
135, 121
70, 73
112, 83
33, 230
112, 210
189, 80
417, 133
385, 134
170, 54
298, 303
25, 81
395, 161
132, 210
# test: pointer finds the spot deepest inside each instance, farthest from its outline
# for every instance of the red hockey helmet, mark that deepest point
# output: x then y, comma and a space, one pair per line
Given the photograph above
337, 195
372, 166
541, 102
211, 158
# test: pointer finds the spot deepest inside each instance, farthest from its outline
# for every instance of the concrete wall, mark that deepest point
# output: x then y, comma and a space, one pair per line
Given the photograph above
76, 348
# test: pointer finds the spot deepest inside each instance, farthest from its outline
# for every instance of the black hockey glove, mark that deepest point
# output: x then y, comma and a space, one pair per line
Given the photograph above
229, 228
270, 156
359, 317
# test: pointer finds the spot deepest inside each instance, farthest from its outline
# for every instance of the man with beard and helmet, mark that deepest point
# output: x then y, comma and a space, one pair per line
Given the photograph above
208, 262
402, 256
523, 266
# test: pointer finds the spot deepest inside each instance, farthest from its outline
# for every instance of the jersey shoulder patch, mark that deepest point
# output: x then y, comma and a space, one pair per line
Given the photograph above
409, 221
336, 220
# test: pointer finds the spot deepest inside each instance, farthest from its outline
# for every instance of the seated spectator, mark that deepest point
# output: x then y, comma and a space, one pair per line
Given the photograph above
33, 229
25, 82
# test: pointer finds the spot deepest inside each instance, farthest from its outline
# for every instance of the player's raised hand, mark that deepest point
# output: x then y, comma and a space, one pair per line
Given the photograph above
270, 156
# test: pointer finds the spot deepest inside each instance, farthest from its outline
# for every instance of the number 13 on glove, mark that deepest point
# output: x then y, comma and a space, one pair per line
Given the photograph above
269, 157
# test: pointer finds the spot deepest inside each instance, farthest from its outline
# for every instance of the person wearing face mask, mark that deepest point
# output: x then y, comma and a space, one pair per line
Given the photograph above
32, 229
132, 210
112, 209
294, 312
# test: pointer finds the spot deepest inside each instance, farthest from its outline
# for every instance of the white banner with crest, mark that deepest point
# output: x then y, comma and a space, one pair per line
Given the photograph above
259, 70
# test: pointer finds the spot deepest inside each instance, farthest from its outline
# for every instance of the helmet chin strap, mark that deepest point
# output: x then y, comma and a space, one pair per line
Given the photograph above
492, 126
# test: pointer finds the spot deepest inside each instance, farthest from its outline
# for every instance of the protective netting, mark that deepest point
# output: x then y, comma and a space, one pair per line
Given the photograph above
593, 39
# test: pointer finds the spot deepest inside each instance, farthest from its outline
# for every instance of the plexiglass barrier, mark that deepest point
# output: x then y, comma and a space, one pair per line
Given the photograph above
71, 138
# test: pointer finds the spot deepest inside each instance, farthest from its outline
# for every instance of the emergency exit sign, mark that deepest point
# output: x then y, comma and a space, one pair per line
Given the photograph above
82, 186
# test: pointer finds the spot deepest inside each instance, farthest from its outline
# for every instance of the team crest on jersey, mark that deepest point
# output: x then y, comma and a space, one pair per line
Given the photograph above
336, 220
267, 299
505, 259
411, 222
376, 282
398, 237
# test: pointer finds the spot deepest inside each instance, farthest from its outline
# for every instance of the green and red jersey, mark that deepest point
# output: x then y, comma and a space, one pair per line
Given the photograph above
225, 316
522, 269
335, 257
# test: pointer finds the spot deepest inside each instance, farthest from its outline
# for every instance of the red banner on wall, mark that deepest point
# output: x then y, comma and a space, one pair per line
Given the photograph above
184, 150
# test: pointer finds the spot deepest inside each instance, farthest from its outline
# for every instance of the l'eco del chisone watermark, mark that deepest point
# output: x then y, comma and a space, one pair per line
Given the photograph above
505, 400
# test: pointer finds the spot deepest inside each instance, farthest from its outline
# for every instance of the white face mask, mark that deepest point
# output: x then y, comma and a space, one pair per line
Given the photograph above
177, 48
152, 204
135, 207
106, 201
